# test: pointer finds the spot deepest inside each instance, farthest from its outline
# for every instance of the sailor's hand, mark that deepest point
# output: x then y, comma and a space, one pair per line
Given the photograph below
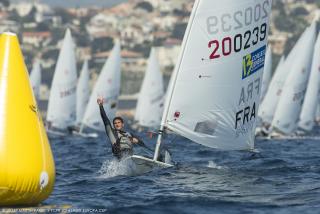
134, 140
100, 101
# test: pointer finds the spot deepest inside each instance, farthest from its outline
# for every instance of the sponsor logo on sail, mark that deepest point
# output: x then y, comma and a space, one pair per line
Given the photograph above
253, 62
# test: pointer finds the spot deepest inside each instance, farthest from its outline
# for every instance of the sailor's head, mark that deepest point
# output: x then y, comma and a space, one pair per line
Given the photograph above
118, 123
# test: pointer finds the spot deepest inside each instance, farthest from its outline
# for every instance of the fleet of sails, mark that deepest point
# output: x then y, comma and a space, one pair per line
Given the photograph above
291, 102
70, 105
289, 98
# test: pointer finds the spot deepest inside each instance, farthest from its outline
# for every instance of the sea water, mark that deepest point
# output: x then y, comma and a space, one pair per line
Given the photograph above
284, 177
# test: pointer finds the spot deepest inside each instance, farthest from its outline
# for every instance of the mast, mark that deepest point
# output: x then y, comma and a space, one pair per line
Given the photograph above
173, 81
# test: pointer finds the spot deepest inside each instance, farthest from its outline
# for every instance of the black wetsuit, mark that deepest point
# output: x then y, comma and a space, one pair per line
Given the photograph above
121, 145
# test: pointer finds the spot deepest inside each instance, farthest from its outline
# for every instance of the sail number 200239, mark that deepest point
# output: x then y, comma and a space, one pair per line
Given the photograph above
236, 21
238, 42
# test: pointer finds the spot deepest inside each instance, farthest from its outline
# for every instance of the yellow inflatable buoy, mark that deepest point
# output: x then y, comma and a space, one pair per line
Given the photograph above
27, 171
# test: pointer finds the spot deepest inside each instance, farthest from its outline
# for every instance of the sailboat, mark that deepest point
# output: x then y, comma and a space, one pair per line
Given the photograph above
286, 116
309, 107
83, 92
150, 101
275, 89
207, 100
106, 87
266, 73
61, 112
35, 79
270, 100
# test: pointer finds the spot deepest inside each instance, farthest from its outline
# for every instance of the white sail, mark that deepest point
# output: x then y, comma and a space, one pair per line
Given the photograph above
107, 87
35, 79
267, 73
83, 91
150, 102
214, 96
309, 107
289, 107
317, 118
62, 101
271, 99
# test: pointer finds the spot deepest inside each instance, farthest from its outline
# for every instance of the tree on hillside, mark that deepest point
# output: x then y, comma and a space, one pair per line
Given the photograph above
30, 17
65, 16
145, 5
102, 44
179, 30
300, 11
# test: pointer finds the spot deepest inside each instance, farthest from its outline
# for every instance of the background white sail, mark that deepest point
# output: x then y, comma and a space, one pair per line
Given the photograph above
289, 107
208, 100
83, 91
107, 87
267, 73
317, 119
309, 107
35, 79
150, 102
271, 99
62, 101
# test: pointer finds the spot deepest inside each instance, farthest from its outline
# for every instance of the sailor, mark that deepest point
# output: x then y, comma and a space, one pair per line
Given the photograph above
122, 142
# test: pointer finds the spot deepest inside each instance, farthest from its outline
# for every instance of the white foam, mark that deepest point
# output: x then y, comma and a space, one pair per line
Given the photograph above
213, 165
112, 168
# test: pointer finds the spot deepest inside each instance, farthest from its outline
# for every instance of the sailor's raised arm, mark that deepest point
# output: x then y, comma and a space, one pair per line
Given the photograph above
106, 121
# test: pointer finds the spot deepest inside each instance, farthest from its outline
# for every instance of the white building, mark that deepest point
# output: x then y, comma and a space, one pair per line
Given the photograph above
9, 25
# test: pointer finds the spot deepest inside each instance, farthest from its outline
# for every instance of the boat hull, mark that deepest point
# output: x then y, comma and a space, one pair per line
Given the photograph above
143, 165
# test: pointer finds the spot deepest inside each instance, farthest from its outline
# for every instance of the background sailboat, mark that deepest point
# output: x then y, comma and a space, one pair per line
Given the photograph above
83, 92
150, 102
271, 99
309, 107
35, 79
288, 110
107, 87
62, 101
267, 73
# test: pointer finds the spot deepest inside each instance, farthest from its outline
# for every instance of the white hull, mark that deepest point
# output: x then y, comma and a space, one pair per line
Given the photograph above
143, 165
56, 133
86, 135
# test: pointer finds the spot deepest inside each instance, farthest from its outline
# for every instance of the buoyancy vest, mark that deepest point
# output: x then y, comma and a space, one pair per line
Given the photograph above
124, 140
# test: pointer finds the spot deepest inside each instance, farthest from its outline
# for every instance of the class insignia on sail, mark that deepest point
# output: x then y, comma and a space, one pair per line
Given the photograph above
27, 171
